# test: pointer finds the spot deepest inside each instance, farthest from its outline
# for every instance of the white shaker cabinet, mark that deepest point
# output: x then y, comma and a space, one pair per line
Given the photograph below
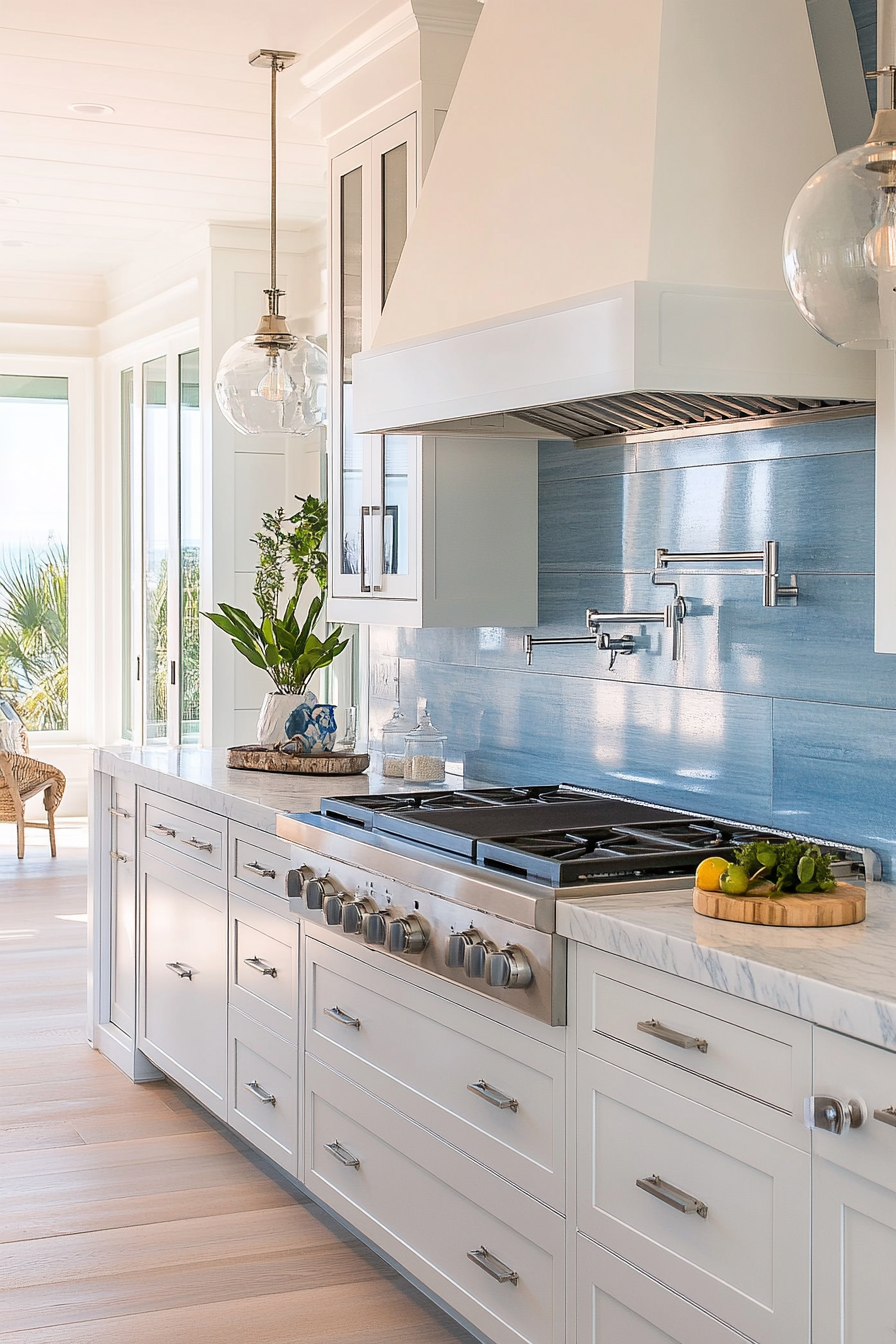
182, 1024
426, 530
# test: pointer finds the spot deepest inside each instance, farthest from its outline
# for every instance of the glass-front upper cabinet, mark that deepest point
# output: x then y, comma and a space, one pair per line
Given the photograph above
373, 483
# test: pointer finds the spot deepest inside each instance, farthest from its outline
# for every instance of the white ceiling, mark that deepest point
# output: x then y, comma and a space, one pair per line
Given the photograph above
187, 141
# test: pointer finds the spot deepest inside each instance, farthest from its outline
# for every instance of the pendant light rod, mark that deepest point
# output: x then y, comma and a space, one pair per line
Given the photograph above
277, 61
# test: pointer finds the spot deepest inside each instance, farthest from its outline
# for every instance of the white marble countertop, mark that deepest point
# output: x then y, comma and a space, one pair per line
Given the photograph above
842, 978
200, 776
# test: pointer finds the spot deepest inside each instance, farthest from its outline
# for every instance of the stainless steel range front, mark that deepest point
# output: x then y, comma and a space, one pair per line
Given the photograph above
464, 884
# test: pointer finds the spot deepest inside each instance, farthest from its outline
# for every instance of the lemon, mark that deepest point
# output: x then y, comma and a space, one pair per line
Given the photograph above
709, 872
735, 880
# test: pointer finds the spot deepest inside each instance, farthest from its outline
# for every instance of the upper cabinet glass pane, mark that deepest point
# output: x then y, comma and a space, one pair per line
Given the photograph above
350, 267
190, 531
395, 212
156, 548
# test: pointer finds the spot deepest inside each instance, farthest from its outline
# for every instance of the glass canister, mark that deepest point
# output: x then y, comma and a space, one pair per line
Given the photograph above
395, 734
424, 753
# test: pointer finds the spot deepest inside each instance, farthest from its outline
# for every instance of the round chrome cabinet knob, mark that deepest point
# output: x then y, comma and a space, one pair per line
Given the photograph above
375, 929
508, 969
456, 948
353, 913
317, 891
296, 879
408, 935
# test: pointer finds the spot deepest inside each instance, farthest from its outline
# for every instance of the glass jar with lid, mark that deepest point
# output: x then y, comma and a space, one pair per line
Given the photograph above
424, 755
395, 734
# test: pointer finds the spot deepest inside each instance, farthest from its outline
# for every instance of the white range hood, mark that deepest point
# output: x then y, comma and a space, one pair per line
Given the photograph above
597, 244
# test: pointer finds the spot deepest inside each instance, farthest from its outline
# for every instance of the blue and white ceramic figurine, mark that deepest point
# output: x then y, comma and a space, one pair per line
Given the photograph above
312, 727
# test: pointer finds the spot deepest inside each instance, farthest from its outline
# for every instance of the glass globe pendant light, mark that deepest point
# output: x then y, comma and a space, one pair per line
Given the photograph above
273, 382
840, 235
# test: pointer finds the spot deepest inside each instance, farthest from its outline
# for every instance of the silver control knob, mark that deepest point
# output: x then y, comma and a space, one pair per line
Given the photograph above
476, 956
508, 969
296, 879
375, 929
333, 907
353, 913
317, 890
456, 950
408, 935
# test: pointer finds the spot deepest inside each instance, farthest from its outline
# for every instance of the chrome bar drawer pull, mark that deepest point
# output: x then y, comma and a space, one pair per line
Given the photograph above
254, 867
197, 844
163, 830
345, 1018
257, 1091
670, 1194
887, 1115
491, 1094
342, 1154
671, 1037
122, 858
119, 812
258, 965
178, 967
492, 1265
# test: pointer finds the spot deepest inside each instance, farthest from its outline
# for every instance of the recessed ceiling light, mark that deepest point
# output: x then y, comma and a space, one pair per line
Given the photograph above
91, 109
9, 200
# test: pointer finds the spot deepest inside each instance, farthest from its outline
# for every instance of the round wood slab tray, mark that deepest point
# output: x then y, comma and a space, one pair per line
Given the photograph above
844, 905
255, 757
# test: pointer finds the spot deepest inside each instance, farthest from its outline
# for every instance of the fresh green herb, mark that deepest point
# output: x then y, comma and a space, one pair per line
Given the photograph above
793, 865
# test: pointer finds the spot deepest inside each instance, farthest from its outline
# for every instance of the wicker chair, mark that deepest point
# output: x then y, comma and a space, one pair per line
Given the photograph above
21, 778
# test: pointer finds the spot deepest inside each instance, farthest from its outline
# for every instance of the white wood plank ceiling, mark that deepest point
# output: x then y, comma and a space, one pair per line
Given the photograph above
186, 141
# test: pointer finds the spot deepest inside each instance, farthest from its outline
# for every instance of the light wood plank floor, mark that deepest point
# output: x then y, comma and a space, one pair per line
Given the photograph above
126, 1217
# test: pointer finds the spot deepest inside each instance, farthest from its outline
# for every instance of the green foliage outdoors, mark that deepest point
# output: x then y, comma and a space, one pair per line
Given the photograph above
281, 643
34, 638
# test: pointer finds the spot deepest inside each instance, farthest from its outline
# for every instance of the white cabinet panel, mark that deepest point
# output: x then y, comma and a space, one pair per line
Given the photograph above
423, 1054
854, 1254
617, 1304
264, 967
183, 1018
259, 863
747, 1259
849, 1069
188, 837
430, 1207
123, 891
263, 1090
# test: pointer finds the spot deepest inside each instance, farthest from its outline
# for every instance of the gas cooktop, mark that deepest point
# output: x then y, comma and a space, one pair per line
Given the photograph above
556, 834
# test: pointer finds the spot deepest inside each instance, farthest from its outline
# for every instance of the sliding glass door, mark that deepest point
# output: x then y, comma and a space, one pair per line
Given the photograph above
161, 539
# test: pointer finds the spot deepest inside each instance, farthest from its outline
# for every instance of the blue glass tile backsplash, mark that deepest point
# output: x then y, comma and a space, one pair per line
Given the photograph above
784, 716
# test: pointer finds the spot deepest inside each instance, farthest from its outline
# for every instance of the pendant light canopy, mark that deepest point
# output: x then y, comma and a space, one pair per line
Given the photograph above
273, 382
840, 236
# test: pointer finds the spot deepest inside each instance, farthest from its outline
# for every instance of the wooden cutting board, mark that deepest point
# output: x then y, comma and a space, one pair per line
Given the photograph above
844, 905
254, 757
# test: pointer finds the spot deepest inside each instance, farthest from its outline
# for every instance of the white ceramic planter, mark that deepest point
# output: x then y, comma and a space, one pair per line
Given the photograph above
275, 710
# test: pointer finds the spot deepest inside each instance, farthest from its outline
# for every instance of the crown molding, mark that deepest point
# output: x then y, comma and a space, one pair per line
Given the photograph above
377, 31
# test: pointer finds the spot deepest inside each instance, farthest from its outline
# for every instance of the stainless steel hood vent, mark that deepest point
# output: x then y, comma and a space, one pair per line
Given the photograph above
607, 420
597, 246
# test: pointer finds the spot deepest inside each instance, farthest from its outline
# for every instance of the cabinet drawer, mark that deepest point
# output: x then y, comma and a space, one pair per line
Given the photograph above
743, 1254
263, 1100
264, 967
423, 1053
617, 1304
183, 1022
846, 1068
258, 866
186, 836
429, 1207
691, 1029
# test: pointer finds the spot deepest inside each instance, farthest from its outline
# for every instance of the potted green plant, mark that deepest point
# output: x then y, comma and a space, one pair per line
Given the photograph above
281, 643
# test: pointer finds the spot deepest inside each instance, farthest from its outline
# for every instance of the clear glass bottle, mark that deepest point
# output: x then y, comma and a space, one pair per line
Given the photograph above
394, 737
424, 755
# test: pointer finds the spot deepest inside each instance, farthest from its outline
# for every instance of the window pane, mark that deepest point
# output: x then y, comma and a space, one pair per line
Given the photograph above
128, 653
155, 557
395, 212
190, 532
352, 447
34, 548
